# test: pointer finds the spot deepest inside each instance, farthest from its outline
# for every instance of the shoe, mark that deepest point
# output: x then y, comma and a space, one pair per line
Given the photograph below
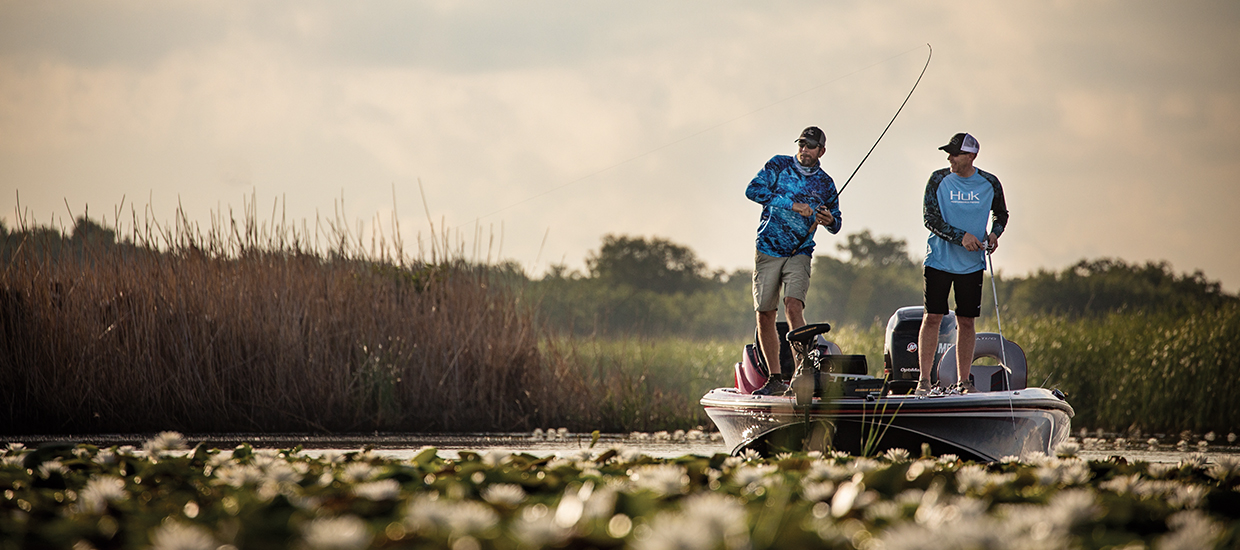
775, 385
962, 388
923, 388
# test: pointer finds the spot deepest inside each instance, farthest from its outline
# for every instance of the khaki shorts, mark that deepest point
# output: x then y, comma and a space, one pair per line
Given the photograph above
770, 271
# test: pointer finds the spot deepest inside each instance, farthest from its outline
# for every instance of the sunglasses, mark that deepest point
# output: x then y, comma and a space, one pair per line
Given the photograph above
806, 144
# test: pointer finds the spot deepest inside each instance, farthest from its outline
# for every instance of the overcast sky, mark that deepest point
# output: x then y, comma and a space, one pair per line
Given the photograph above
537, 127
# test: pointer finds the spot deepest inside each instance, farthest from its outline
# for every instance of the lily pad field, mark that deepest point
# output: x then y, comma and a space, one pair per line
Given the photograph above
170, 495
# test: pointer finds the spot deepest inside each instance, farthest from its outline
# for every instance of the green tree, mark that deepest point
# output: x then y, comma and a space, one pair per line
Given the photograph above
1097, 287
654, 264
878, 278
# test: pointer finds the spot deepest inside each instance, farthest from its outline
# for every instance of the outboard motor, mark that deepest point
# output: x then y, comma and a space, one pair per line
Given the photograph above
900, 347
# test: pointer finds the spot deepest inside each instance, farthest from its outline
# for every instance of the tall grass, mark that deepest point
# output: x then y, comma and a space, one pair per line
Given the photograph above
1138, 372
251, 330
255, 326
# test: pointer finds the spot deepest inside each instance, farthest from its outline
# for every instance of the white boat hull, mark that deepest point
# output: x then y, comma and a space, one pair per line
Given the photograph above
984, 426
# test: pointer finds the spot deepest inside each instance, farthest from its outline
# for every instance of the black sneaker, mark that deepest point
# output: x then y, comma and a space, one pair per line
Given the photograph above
775, 385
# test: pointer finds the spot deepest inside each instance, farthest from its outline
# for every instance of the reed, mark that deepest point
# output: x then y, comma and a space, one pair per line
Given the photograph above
1139, 373
251, 328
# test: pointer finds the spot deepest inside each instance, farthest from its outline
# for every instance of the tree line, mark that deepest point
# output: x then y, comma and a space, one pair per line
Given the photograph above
635, 285
652, 286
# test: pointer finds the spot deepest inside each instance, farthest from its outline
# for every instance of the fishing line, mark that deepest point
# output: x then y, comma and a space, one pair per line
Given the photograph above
717, 126
893, 119
814, 228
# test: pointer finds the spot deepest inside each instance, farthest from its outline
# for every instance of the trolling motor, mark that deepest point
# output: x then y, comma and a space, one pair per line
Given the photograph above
808, 380
822, 371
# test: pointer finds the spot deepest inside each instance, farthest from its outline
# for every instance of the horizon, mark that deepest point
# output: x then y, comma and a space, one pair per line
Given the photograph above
707, 269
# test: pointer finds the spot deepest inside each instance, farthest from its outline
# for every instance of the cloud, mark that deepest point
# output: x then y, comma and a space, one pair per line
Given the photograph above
1113, 124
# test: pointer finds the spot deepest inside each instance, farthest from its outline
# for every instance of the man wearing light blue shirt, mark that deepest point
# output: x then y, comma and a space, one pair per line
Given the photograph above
958, 203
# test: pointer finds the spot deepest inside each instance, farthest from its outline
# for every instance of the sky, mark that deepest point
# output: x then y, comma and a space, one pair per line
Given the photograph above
526, 131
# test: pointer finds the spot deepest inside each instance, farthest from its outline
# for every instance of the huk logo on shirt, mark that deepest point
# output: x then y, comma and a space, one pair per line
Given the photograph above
961, 196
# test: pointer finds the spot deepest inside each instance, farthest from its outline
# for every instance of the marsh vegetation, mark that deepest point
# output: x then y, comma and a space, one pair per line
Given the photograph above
259, 326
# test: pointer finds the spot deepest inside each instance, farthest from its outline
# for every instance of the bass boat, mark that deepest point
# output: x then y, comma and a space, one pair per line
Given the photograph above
834, 404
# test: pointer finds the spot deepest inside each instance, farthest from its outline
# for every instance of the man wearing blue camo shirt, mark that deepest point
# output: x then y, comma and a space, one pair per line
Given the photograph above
796, 197
957, 204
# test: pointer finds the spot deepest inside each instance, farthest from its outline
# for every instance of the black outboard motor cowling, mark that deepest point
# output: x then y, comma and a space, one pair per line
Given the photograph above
900, 347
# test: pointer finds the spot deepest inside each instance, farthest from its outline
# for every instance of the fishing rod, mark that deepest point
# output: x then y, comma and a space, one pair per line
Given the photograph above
929, 55
814, 228
893, 119
1007, 372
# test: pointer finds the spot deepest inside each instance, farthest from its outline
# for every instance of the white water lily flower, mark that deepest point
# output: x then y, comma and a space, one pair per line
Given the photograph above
1128, 484
386, 489
239, 475
865, 465
1073, 507
219, 459
817, 491
950, 458
537, 529
282, 473
336, 533
1225, 468
748, 475
1158, 470
164, 441
1188, 496
428, 513
507, 495
495, 458
972, 478
886, 510
1194, 461
470, 517
105, 457
672, 531
601, 503
661, 479
718, 512
750, 455
99, 492
824, 470
897, 455
357, 472
626, 454
15, 449
50, 467
1067, 448
174, 535
1189, 531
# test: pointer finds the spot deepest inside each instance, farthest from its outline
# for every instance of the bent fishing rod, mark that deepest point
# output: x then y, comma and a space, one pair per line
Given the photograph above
929, 55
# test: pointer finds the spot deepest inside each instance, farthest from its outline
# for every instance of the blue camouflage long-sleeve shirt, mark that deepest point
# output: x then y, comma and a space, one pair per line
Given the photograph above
782, 232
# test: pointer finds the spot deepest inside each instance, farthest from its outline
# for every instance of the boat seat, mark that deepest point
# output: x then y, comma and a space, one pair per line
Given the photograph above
989, 377
806, 333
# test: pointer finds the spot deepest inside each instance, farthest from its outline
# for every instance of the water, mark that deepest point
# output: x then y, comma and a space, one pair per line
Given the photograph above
659, 444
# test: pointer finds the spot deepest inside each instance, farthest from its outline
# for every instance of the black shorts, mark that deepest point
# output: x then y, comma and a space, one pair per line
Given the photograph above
968, 292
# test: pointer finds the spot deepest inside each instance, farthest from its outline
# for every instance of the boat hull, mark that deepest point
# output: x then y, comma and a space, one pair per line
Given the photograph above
985, 426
